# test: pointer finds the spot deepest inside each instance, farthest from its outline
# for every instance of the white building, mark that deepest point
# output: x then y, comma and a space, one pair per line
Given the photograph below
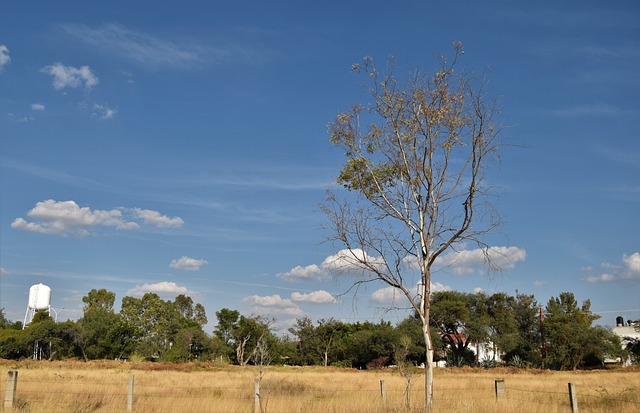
626, 331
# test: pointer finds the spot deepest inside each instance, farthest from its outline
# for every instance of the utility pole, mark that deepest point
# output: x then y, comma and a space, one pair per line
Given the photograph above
543, 352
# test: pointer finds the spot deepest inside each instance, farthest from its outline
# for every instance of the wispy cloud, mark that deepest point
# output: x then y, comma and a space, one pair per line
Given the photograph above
104, 112
4, 56
628, 270
37, 107
54, 175
601, 109
155, 52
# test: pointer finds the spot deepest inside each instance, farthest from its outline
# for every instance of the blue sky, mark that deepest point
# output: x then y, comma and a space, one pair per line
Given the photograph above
181, 147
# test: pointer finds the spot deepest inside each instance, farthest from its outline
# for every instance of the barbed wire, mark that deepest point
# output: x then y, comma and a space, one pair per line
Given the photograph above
113, 388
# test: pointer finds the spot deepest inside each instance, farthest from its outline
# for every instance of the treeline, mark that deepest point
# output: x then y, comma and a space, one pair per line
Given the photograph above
467, 329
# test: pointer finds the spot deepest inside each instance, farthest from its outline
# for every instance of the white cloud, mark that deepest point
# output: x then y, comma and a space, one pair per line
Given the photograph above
391, 295
310, 272
315, 297
164, 287
187, 263
268, 301
104, 112
157, 219
4, 56
68, 218
71, 77
343, 262
632, 265
600, 278
470, 261
37, 106
387, 295
438, 287
272, 306
3, 271
346, 261
628, 271
539, 283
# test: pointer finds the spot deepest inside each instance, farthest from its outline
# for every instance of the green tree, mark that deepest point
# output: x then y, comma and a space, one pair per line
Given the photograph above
316, 345
99, 299
415, 154
411, 327
502, 324
371, 345
168, 330
248, 334
462, 319
40, 316
7, 324
632, 346
305, 333
527, 349
99, 333
152, 316
568, 331
223, 332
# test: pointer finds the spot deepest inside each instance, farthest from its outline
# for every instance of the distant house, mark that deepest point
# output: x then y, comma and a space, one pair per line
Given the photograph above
626, 331
483, 351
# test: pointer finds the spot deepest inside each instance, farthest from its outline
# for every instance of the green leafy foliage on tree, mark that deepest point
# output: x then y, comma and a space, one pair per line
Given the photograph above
571, 340
462, 323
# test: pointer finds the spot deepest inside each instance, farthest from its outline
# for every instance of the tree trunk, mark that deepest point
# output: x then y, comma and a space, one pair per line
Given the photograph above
428, 377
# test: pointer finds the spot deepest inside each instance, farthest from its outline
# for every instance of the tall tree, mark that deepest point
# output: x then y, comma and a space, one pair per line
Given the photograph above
503, 326
568, 331
223, 331
528, 346
415, 154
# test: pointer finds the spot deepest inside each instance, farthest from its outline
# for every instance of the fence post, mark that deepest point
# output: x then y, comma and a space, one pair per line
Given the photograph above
130, 393
383, 393
10, 391
500, 389
256, 392
573, 398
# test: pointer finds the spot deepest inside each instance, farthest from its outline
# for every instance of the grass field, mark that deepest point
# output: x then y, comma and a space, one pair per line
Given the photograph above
198, 387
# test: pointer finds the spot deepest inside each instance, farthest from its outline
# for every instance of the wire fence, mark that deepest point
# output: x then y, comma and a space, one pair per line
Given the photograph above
123, 392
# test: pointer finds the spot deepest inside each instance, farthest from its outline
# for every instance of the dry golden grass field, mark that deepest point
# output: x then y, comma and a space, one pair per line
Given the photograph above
199, 387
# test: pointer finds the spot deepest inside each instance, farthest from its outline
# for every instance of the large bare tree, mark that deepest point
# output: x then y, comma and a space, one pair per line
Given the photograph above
415, 153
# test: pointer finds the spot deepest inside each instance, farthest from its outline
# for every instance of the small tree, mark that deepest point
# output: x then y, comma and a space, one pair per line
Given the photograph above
414, 168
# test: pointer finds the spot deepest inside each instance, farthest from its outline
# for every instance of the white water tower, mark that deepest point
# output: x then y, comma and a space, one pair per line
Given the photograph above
39, 300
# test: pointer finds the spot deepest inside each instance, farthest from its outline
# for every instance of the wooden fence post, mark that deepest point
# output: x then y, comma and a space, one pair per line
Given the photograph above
573, 398
10, 391
500, 389
130, 393
256, 392
383, 393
